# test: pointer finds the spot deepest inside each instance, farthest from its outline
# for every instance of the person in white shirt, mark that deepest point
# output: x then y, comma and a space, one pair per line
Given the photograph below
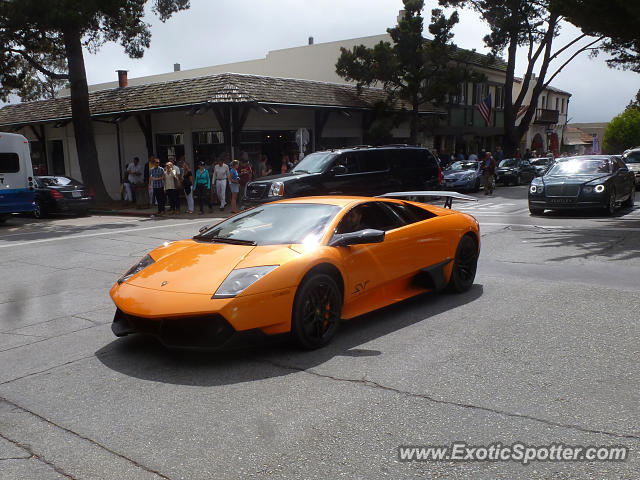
220, 177
134, 175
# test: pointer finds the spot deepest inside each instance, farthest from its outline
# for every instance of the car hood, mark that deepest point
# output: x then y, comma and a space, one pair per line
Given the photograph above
458, 173
633, 167
506, 169
197, 267
573, 179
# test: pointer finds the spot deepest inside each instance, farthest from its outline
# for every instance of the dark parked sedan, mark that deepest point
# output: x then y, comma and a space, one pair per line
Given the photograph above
541, 165
515, 171
61, 194
595, 181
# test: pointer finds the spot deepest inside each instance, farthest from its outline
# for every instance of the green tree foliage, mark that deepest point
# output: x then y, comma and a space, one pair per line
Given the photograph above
617, 20
623, 131
533, 25
412, 71
48, 37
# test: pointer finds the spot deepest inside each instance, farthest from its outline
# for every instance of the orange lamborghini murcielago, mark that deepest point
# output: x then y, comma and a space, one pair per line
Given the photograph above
300, 265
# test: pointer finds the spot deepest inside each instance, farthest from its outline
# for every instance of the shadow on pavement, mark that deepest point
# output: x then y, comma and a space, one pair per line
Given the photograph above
143, 357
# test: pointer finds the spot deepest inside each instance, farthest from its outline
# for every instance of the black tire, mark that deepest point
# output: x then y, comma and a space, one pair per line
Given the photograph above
630, 202
464, 266
316, 311
610, 207
518, 180
39, 212
476, 187
536, 211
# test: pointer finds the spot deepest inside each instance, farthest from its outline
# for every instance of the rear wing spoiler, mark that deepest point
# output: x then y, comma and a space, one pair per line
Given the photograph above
434, 194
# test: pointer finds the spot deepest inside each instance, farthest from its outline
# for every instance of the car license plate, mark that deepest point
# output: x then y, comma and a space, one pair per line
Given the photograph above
76, 194
563, 200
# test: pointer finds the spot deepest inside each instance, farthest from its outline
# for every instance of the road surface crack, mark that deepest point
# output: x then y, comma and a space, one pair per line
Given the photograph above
75, 434
32, 454
371, 384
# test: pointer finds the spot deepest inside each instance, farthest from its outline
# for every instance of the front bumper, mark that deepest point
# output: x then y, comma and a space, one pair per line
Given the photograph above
506, 177
566, 203
190, 319
460, 184
71, 205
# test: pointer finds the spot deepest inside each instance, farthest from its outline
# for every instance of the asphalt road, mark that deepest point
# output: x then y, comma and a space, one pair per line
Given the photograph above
543, 349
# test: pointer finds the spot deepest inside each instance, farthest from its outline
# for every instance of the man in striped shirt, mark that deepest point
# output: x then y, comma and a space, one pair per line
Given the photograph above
156, 177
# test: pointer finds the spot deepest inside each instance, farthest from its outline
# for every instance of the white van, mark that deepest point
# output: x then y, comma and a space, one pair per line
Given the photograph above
16, 175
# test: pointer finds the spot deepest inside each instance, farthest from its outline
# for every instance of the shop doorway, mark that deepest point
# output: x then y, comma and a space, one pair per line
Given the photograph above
57, 157
276, 144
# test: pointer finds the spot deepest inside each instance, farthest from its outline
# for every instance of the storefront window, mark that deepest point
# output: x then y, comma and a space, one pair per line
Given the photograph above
170, 146
207, 146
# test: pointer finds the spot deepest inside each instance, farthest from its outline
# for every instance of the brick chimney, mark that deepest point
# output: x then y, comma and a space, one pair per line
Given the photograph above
123, 81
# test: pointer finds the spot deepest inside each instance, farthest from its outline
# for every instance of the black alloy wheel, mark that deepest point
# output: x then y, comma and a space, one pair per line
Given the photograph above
610, 208
39, 211
316, 311
464, 266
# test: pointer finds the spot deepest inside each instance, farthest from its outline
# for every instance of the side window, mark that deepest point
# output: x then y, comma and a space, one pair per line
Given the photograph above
614, 165
400, 210
374, 161
368, 215
350, 163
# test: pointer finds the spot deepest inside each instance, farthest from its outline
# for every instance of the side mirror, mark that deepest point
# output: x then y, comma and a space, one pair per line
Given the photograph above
202, 229
361, 237
338, 170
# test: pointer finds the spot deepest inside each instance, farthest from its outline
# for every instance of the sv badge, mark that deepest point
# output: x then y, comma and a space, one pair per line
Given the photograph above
360, 287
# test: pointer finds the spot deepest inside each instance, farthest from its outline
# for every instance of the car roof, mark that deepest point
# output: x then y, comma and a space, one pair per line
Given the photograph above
360, 148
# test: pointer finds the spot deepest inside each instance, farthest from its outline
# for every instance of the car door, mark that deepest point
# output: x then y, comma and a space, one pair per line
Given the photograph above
369, 268
375, 177
626, 179
342, 177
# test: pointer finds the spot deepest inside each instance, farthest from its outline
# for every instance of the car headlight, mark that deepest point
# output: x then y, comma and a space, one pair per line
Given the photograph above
277, 189
138, 267
599, 188
469, 176
240, 279
536, 188
587, 189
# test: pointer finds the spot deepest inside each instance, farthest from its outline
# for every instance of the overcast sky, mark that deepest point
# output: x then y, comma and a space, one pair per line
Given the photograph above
213, 32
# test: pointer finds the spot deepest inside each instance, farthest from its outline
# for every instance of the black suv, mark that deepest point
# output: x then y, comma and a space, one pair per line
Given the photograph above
352, 171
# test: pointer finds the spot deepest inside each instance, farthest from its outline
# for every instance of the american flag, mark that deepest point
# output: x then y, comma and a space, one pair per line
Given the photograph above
485, 109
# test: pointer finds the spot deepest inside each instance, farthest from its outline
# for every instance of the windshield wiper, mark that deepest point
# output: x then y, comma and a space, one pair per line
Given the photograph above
299, 171
233, 241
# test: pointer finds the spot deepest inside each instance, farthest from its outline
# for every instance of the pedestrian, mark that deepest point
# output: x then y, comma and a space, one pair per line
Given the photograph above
187, 184
527, 155
234, 184
488, 168
263, 167
147, 180
473, 157
499, 155
156, 179
172, 183
203, 185
285, 164
134, 175
220, 178
246, 174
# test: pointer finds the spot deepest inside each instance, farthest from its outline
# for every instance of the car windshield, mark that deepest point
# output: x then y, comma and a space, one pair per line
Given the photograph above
540, 162
632, 157
464, 166
507, 162
580, 166
314, 163
57, 181
275, 224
